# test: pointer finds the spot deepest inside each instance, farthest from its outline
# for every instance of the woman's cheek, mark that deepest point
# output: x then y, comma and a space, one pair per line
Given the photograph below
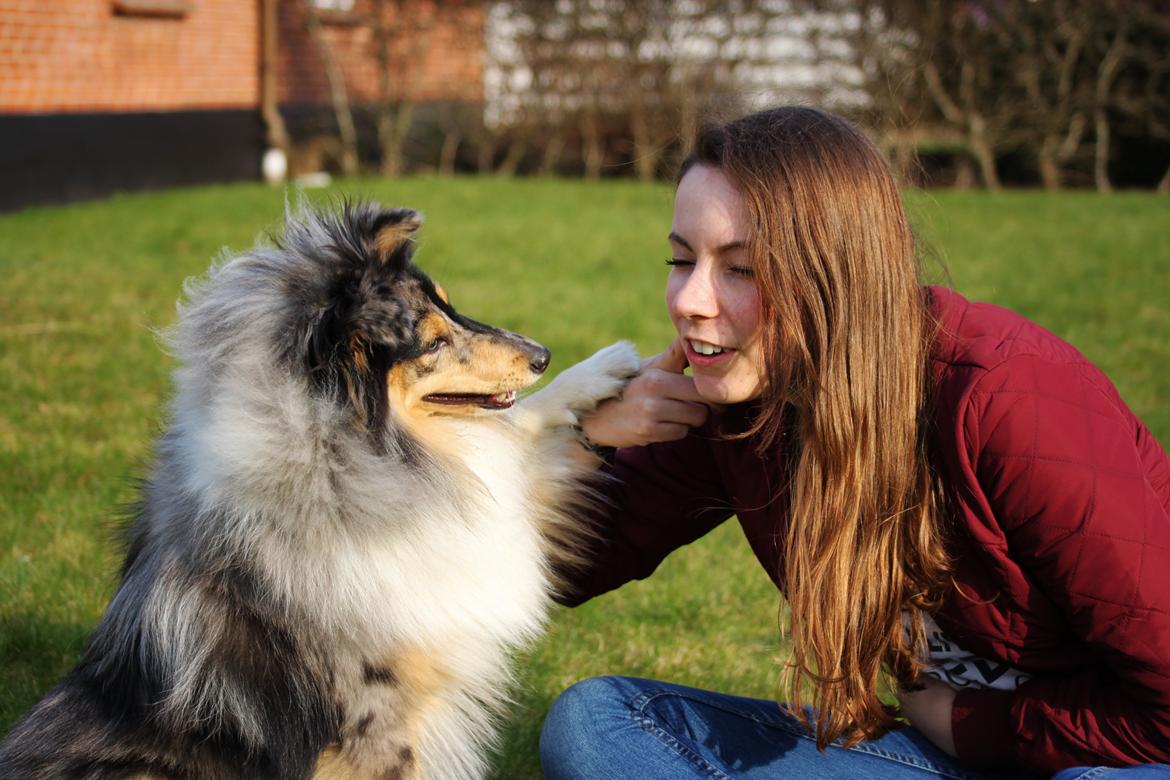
672, 287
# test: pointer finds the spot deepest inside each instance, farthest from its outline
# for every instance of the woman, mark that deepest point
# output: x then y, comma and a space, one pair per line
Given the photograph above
945, 493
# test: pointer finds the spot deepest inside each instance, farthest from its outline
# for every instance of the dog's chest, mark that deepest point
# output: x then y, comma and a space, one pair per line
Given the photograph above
474, 570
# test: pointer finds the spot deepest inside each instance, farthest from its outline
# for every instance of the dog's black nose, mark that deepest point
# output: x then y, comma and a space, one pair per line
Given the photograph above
540, 361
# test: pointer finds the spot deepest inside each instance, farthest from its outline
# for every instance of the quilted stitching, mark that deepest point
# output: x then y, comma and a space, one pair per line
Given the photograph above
1076, 447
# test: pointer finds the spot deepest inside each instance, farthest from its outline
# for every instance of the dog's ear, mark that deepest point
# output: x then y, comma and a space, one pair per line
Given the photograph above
394, 236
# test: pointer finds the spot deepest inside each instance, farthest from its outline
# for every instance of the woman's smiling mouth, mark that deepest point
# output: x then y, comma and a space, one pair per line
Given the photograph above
704, 353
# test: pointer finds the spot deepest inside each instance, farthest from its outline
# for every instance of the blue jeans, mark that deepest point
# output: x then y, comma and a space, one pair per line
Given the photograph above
623, 727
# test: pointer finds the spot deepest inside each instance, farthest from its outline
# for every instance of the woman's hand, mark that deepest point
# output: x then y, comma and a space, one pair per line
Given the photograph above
660, 404
929, 711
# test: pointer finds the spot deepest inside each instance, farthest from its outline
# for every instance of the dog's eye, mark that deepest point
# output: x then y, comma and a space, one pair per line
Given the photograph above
437, 344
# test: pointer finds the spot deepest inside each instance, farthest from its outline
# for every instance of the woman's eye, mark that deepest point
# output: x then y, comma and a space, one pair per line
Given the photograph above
678, 261
743, 270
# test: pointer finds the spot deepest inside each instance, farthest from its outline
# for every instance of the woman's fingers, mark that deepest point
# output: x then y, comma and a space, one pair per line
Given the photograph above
672, 359
671, 432
660, 404
666, 384
690, 414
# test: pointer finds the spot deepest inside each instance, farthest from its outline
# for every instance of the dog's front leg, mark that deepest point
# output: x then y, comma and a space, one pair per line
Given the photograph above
386, 753
579, 389
336, 763
387, 703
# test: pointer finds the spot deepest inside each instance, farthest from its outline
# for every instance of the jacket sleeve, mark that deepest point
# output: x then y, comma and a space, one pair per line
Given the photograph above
656, 499
1071, 477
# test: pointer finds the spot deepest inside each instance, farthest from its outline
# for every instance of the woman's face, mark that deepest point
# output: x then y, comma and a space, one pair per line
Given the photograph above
710, 293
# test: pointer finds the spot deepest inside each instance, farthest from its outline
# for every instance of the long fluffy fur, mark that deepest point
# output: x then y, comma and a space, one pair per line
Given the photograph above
322, 581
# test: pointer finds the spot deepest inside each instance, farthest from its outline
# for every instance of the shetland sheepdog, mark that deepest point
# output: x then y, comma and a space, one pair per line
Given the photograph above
349, 524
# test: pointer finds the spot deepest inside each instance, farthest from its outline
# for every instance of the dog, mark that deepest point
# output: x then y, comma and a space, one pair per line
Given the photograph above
350, 523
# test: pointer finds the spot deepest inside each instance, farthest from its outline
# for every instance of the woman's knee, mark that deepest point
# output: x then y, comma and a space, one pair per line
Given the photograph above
581, 728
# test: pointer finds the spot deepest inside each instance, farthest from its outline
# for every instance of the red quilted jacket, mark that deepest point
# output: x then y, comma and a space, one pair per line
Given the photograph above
1060, 505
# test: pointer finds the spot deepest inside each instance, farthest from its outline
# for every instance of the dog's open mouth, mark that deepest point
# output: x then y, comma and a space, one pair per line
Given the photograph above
497, 401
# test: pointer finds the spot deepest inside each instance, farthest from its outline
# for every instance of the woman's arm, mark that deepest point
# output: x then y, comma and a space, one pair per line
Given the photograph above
663, 489
658, 498
929, 710
1069, 475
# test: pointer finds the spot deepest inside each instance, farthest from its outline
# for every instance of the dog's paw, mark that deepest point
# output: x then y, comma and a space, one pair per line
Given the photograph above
579, 389
607, 372
598, 378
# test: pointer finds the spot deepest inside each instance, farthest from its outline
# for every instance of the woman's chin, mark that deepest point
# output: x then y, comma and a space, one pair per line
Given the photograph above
719, 390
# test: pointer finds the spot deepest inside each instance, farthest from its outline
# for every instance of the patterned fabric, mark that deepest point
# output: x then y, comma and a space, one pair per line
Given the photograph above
958, 668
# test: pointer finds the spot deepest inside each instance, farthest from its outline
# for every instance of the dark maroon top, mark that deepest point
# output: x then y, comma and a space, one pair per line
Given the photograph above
1059, 499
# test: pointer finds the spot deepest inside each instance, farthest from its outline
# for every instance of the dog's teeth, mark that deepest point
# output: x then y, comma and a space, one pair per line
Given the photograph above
504, 399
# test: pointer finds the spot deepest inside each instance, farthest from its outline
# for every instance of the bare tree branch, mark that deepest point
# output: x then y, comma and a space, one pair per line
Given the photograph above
338, 94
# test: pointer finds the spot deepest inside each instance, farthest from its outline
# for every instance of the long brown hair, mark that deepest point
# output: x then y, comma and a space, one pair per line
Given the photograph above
845, 343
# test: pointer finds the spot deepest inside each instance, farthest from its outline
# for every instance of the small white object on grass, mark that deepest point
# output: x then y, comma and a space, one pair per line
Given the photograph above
274, 164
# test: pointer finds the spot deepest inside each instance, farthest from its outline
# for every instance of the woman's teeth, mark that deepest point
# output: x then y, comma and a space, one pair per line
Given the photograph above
703, 348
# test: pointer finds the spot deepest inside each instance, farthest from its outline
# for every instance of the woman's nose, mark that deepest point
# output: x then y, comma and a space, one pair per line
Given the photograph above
697, 297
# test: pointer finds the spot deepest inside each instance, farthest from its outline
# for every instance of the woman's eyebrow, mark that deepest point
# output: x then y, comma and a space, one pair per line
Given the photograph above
676, 238
731, 246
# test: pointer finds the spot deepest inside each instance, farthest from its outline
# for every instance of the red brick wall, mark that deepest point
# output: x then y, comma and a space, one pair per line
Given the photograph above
433, 56
78, 55
60, 56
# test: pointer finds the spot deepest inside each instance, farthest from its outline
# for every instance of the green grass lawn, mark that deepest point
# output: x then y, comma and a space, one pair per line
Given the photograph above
573, 265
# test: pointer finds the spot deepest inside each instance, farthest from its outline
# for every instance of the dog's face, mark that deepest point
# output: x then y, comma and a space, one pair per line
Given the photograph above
464, 367
383, 337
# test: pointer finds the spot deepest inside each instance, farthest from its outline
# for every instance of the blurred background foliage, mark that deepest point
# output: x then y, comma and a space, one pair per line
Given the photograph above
960, 93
